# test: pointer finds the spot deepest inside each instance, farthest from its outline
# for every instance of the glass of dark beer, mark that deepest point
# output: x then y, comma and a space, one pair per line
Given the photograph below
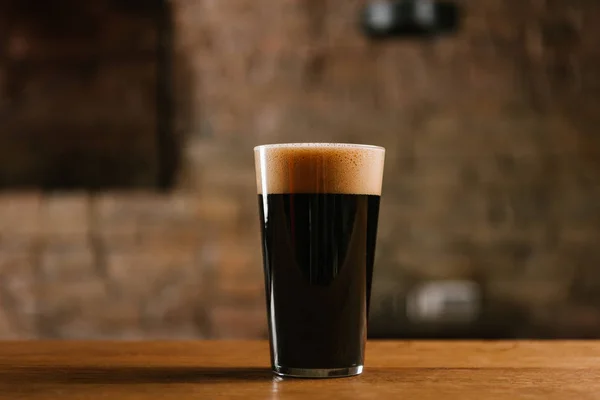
319, 206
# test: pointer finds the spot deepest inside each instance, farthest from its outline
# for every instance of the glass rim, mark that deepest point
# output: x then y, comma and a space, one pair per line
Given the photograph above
319, 145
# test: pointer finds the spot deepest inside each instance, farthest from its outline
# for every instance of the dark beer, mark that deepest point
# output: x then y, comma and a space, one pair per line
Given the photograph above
318, 251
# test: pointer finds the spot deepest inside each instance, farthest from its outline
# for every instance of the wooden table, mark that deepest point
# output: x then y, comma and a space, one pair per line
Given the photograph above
214, 370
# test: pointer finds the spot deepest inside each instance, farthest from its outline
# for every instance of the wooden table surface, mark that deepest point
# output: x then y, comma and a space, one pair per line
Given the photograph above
215, 370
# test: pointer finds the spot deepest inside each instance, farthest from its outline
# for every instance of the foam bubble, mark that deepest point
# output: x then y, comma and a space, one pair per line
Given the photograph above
319, 168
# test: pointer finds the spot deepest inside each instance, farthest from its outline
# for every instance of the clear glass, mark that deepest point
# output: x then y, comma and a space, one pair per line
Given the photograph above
319, 208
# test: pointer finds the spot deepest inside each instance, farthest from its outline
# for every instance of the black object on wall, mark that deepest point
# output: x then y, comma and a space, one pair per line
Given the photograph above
88, 99
388, 19
168, 147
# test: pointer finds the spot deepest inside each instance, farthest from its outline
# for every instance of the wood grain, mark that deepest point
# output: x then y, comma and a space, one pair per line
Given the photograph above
213, 370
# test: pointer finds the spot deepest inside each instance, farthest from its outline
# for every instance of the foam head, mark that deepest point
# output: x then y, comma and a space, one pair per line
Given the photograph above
319, 168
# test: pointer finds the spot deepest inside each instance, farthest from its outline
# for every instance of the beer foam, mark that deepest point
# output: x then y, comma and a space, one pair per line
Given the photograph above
319, 168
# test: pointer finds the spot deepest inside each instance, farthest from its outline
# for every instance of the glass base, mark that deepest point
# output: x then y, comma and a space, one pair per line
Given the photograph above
318, 372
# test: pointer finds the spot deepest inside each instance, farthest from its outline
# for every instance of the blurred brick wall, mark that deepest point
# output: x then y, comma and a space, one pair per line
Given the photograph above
492, 175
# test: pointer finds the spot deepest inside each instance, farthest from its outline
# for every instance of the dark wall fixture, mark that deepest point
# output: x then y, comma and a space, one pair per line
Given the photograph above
168, 148
86, 102
387, 19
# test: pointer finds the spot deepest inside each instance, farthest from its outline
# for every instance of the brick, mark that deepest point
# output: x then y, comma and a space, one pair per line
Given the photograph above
142, 208
170, 331
66, 243
185, 237
175, 310
7, 330
66, 264
20, 216
117, 235
237, 262
19, 243
141, 271
235, 322
235, 174
431, 262
18, 306
213, 209
87, 310
224, 179
145, 218
529, 294
570, 320
166, 284
65, 215
242, 293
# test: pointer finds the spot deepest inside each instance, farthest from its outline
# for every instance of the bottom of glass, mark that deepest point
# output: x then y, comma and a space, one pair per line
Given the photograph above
317, 372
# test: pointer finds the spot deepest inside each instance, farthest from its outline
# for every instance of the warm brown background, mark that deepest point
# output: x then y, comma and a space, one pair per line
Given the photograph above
493, 168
